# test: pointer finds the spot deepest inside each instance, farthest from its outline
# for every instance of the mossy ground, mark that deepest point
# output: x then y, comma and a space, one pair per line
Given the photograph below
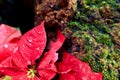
97, 22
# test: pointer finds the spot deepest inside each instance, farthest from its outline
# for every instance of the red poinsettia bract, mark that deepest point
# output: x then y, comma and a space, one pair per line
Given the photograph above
8, 39
73, 69
8, 34
21, 65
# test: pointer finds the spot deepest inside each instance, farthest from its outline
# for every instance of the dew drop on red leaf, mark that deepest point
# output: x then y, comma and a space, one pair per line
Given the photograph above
7, 50
33, 43
50, 57
72, 67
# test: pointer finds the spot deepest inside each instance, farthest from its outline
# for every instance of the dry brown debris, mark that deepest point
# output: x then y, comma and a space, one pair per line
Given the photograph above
116, 33
54, 12
78, 47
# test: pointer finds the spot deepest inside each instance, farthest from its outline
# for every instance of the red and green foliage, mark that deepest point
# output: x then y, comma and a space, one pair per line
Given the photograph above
19, 54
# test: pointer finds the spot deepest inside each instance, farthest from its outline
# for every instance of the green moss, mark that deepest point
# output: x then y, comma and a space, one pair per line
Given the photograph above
104, 39
94, 22
99, 3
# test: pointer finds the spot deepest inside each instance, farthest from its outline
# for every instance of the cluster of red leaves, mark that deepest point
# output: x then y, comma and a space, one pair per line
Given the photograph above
18, 55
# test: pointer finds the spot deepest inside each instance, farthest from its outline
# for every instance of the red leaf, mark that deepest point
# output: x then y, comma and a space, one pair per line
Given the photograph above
13, 71
21, 77
9, 54
8, 67
63, 68
7, 50
8, 42
47, 65
13, 64
19, 61
51, 57
68, 76
54, 46
33, 43
46, 74
80, 70
30, 47
48, 70
25, 77
8, 33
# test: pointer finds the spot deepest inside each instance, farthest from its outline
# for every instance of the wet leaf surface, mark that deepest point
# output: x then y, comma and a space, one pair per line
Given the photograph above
8, 33
73, 69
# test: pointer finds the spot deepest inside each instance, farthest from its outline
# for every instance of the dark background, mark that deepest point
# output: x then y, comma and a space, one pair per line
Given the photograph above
17, 13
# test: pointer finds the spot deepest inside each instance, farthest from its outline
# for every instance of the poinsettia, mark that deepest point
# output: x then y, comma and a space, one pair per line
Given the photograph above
73, 69
19, 55
8, 34
8, 38
21, 65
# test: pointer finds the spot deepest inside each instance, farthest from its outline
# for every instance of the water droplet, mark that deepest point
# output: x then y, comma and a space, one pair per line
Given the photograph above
6, 66
6, 46
30, 44
39, 32
19, 60
92, 77
29, 62
15, 49
20, 78
30, 40
2, 70
38, 48
23, 46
